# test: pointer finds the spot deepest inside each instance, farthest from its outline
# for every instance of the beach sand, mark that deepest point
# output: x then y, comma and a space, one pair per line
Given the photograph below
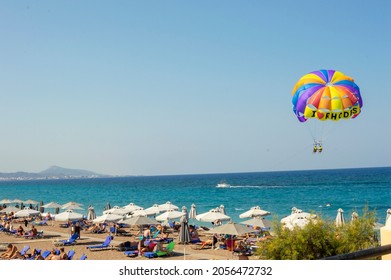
55, 232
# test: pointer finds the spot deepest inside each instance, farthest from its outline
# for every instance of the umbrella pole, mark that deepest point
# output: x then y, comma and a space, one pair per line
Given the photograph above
139, 240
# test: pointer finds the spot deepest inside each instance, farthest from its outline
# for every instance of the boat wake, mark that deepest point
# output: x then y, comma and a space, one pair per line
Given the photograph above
251, 186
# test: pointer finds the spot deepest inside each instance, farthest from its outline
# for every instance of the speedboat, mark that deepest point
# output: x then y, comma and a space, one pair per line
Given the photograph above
223, 185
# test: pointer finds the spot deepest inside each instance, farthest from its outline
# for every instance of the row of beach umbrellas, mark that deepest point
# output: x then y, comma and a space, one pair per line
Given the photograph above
8, 201
170, 212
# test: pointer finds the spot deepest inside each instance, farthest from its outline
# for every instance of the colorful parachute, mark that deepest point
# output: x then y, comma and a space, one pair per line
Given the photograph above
326, 95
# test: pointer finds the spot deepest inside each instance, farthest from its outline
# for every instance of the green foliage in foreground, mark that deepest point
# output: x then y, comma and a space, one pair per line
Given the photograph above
319, 239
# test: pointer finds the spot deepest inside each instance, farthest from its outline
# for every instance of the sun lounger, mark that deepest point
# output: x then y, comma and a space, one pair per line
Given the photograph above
24, 250
11, 232
150, 255
45, 254
131, 253
168, 251
41, 223
71, 253
83, 257
70, 241
104, 245
129, 248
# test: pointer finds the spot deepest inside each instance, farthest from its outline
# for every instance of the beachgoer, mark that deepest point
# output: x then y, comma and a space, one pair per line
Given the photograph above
77, 229
93, 229
211, 241
32, 233
195, 238
240, 247
48, 216
20, 231
147, 233
230, 242
119, 230
11, 253
63, 255
53, 255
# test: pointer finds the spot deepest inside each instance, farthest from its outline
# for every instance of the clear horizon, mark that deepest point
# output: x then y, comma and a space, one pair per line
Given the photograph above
190, 174
196, 87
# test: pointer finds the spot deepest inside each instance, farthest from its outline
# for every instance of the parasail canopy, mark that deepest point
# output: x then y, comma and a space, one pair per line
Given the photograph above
326, 95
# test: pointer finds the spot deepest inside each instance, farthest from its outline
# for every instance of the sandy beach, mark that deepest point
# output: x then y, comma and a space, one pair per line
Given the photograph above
55, 232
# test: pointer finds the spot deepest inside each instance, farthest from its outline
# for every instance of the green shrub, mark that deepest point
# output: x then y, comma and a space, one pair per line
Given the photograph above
319, 239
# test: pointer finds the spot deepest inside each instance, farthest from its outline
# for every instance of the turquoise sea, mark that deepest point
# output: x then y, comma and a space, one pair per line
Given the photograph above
322, 191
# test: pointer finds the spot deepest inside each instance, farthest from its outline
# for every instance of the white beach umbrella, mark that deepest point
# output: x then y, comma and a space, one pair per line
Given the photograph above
131, 207
300, 222
167, 206
254, 212
17, 201
71, 203
222, 209
30, 201
72, 207
339, 220
52, 205
193, 211
5, 201
212, 216
117, 210
295, 210
169, 215
140, 220
140, 212
184, 210
298, 218
298, 215
26, 212
231, 229
107, 218
153, 210
91, 213
388, 219
258, 222
10, 209
354, 216
67, 216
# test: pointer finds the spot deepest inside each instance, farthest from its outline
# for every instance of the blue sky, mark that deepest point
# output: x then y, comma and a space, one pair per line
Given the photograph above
179, 87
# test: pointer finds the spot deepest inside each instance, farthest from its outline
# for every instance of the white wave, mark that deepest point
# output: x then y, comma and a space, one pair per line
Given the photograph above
250, 186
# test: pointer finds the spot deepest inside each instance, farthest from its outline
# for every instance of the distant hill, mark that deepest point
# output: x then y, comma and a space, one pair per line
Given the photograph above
60, 171
53, 172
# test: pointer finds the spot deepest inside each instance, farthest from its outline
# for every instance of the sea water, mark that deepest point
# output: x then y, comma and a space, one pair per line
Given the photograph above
320, 191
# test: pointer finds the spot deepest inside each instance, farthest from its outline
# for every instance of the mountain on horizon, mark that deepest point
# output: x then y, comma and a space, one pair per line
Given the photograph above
53, 172
61, 171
